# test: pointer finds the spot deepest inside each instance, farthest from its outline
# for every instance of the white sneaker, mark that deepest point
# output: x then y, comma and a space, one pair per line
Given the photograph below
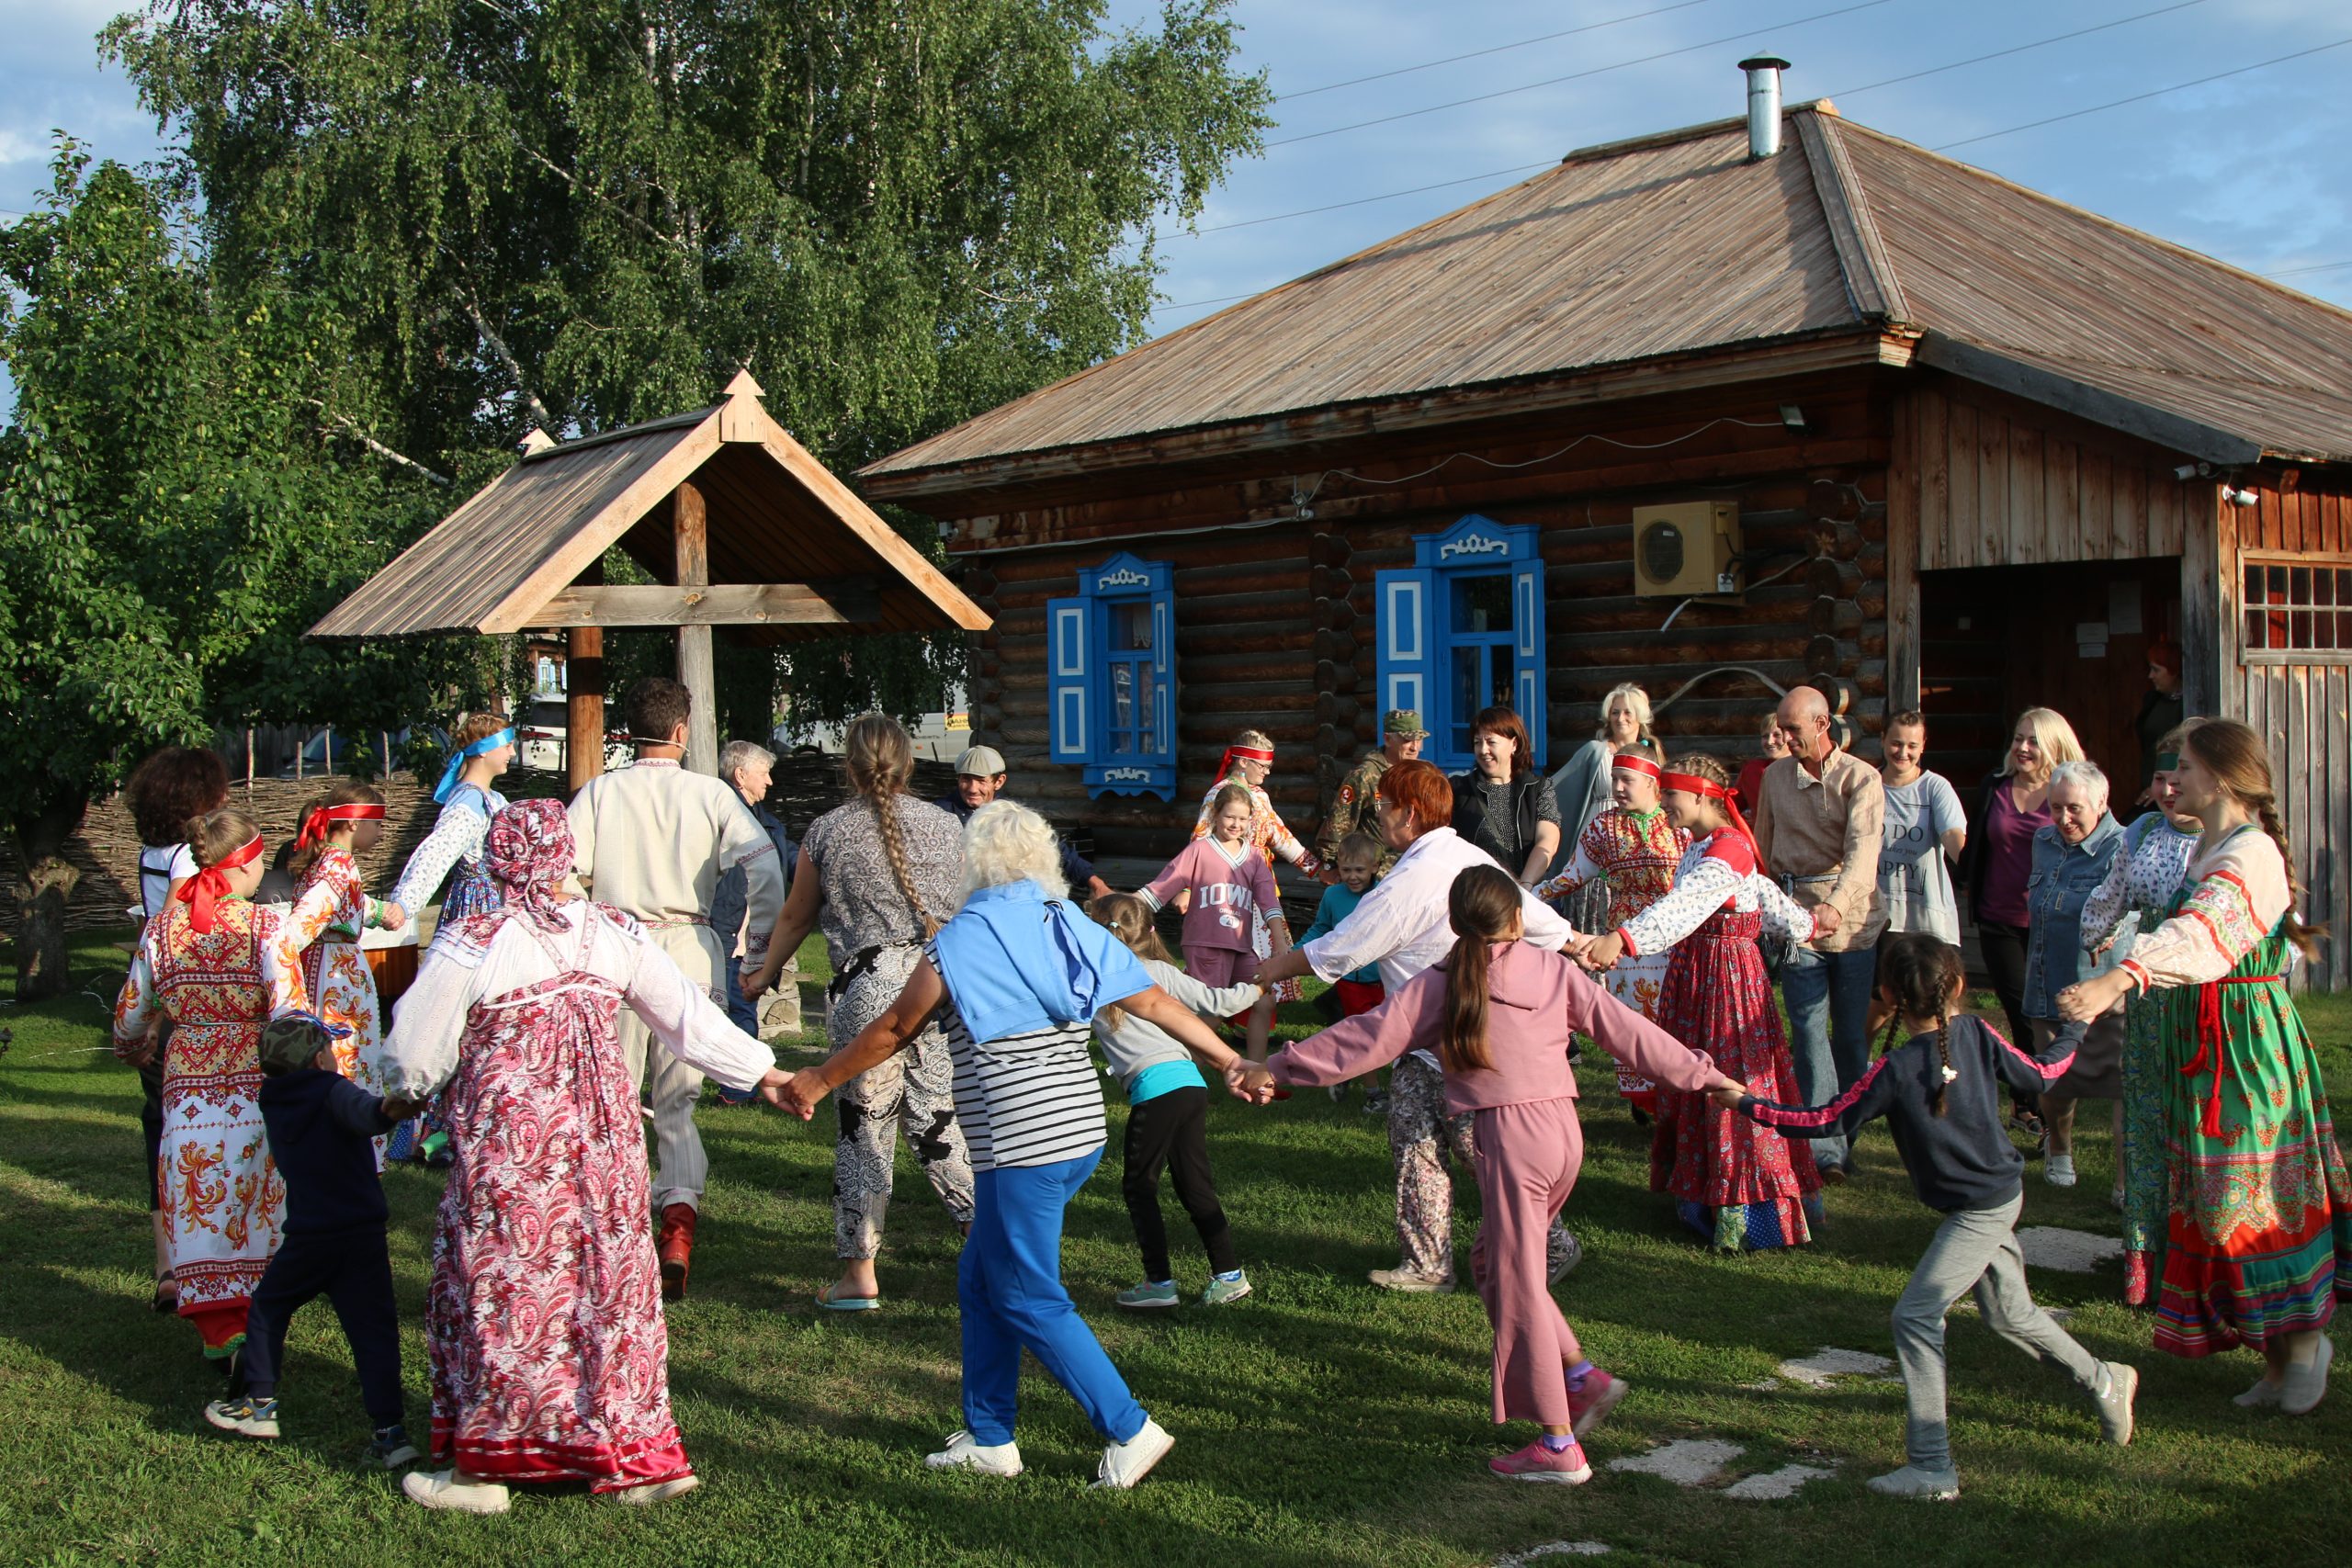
446, 1491
2058, 1171
1126, 1464
1414, 1284
963, 1453
2263, 1394
1927, 1486
2299, 1393
654, 1492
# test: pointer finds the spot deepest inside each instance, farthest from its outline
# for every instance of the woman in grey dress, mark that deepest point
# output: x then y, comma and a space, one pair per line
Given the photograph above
879, 875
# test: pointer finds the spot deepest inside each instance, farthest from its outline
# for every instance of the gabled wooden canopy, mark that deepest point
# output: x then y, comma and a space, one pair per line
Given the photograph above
792, 551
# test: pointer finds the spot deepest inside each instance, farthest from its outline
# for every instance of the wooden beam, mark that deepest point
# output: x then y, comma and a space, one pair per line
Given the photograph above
583, 677
2039, 384
837, 602
690, 537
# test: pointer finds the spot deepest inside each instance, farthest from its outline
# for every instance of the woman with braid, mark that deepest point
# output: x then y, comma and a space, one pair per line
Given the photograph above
880, 875
2259, 1238
1940, 1093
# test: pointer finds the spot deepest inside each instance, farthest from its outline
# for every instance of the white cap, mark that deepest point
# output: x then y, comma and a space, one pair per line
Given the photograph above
979, 763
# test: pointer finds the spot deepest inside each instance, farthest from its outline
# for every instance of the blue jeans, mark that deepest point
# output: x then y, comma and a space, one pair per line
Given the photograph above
1009, 1284
1828, 999
744, 1016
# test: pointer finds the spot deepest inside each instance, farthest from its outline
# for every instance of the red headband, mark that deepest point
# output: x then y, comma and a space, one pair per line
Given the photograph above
1635, 764
1706, 788
1254, 753
316, 824
203, 892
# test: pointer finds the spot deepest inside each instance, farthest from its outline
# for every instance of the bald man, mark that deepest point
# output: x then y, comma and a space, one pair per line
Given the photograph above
1819, 818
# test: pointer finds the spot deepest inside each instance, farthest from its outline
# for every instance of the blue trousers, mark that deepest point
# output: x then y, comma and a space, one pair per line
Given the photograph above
1828, 999
354, 1270
1010, 1282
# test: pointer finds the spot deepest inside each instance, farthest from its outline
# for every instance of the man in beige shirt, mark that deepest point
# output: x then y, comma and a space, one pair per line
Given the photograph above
1820, 818
653, 839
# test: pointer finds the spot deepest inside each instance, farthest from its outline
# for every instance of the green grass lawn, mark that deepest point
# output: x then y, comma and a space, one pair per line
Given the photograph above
1321, 1421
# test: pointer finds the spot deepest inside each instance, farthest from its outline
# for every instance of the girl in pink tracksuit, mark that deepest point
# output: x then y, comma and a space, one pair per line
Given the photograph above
1501, 1014
1228, 884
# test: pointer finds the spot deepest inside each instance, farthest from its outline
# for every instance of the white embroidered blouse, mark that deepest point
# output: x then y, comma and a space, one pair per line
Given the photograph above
1717, 872
2140, 883
2241, 891
429, 1021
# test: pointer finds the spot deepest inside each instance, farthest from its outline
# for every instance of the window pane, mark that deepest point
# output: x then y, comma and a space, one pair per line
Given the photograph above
1481, 603
2302, 630
2324, 587
1131, 626
1144, 703
2255, 624
2299, 585
1123, 706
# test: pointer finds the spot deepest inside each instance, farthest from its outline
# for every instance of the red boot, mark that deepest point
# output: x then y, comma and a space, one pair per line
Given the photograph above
676, 1248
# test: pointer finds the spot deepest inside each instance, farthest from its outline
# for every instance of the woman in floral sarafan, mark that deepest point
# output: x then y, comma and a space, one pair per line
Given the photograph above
550, 1360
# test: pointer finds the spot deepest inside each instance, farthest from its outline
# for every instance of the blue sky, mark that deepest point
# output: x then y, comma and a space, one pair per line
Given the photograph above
2249, 168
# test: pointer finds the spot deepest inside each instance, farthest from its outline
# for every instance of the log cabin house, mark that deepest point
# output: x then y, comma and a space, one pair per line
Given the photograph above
1719, 411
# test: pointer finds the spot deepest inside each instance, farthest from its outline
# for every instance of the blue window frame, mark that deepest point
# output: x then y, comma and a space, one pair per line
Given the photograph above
1110, 672
1463, 629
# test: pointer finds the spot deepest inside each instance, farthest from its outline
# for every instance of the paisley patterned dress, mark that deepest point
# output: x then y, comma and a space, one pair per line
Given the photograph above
222, 1202
2258, 1225
1740, 1184
2143, 883
1634, 854
550, 1360
1276, 842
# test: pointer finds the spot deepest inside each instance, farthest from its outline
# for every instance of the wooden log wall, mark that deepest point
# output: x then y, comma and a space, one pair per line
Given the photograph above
1274, 619
2302, 707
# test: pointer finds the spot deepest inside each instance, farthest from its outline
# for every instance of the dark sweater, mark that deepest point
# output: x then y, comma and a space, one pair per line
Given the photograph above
319, 1125
1962, 1159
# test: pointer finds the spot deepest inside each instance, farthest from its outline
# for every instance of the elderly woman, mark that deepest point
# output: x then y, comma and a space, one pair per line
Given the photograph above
1503, 804
2071, 859
1581, 786
544, 1315
1015, 979
1402, 925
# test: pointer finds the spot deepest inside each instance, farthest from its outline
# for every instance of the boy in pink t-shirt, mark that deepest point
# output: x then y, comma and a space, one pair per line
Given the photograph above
1226, 880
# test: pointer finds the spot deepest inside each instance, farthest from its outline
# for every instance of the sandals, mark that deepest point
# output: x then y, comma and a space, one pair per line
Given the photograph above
831, 1302
167, 1299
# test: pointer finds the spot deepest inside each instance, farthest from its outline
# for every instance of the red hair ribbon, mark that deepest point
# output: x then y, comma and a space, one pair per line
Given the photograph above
1633, 762
1706, 788
316, 826
1254, 753
203, 892
2212, 1041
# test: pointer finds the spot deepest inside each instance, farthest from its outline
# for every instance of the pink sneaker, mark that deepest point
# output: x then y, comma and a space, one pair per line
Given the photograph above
1536, 1463
1588, 1405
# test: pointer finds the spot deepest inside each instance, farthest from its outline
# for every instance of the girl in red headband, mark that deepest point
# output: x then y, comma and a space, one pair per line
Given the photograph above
332, 913
217, 966
1733, 1182
1633, 847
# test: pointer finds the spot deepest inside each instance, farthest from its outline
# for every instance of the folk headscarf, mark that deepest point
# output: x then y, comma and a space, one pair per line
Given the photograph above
530, 852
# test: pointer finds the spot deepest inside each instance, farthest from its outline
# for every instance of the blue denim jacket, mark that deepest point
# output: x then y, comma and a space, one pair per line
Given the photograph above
2063, 877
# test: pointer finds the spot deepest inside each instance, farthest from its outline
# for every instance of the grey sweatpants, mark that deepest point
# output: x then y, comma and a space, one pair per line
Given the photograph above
1973, 1248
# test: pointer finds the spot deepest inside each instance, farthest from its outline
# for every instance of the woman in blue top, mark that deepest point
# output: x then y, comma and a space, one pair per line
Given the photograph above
1016, 978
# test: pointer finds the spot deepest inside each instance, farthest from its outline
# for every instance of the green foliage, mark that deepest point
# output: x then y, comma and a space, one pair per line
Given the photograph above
173, 506
898, 213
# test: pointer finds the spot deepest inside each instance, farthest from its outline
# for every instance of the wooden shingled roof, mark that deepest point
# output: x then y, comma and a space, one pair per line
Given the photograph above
776, 515
1678, 245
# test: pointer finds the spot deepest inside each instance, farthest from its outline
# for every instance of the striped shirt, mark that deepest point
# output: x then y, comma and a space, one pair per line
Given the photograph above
1026, 1100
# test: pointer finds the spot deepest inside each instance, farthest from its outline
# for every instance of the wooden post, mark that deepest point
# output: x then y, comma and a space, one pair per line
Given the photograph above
2209, 591
300, 746
690, 535
249, 762
583, 678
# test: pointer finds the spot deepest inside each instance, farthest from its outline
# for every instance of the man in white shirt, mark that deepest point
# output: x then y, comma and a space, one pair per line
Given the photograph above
1403, 926
653, 839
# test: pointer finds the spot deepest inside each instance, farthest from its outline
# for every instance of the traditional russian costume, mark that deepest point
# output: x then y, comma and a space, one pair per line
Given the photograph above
218, 967
1636, 855
2259, 1235
331, 912
1735, 1183
2144, 882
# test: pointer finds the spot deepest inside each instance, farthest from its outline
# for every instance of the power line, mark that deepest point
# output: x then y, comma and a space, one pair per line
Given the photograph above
2143, 97
1497, 49
2015, 49
1580, 75
2289, 272
1361, 200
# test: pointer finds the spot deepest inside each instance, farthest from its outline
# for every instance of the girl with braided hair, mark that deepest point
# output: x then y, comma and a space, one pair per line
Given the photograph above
1939, 1091
879, 875
2259, 1235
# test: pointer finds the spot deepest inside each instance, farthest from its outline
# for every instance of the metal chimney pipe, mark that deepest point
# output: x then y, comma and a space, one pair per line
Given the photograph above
1763, 104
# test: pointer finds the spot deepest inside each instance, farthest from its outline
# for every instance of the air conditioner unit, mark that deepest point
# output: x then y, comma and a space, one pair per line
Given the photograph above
1686, 551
